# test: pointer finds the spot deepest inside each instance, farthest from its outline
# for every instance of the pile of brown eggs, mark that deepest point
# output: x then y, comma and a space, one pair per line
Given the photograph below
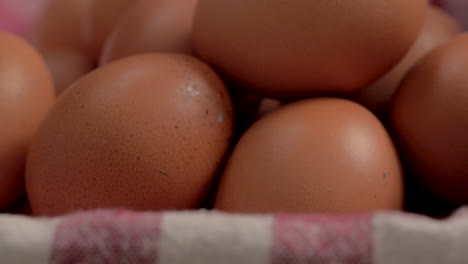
250, 106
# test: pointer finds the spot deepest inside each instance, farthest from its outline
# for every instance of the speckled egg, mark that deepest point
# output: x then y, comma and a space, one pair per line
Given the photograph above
147, 132
322, 155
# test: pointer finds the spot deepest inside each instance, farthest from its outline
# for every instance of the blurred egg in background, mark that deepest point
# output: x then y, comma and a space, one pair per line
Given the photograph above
262, 82
59, 37
26, 95
294, 50
152, 26
438, 28
147, 132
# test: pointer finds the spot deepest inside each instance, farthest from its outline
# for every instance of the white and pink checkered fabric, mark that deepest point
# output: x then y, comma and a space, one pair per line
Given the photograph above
120, 236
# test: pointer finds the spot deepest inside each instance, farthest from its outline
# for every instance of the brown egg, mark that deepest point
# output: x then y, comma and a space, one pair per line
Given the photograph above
314, 156
152, 26
284, 49
439, 27
67, 66
59, 38
100, 18
60, 24
147, 132
430, 120
26, 94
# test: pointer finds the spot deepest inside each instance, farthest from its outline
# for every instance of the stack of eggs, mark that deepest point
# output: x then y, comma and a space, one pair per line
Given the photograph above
252, 106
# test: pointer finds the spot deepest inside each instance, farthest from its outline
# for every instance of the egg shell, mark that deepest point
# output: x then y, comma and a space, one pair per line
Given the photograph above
439, 27
323, 155
429, 118
101, 17
152, 26
283, 49
60, 24
67, 66
58, 35
147, 132
26, 94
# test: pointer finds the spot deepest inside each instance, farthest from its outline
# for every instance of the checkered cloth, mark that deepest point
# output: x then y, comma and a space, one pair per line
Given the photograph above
120, 236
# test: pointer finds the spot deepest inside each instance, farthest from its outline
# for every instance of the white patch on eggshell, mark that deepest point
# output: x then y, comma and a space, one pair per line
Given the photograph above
221, 117
192, 92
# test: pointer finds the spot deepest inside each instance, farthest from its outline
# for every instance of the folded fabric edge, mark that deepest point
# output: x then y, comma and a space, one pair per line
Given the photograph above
409, 238
103, 236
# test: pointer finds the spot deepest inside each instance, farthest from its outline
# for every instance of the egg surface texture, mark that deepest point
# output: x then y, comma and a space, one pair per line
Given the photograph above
26, 94
147, 132
430, 120
58, 35
439, 27
152, 26
322, 155
100, 19
298, 48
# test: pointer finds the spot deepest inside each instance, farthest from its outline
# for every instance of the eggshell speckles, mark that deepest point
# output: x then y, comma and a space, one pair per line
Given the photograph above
313, 156
143, 133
